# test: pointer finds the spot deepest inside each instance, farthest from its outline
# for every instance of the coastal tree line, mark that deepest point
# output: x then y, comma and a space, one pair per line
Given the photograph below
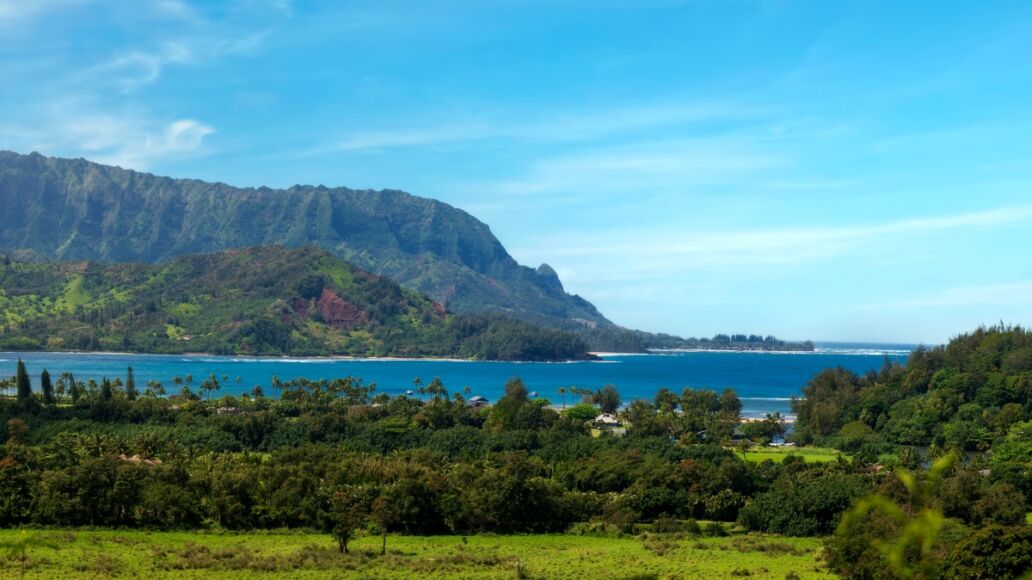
340, 457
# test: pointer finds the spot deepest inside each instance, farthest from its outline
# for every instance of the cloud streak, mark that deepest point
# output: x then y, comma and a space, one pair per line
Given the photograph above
648, 250
568, 126
18, 11
136, 68
1014, 294
125, 140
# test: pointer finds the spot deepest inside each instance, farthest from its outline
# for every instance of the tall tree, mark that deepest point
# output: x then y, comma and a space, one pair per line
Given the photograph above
74, 389
210, 385
607, 398
47, 387
23, 383
515, 410
385, 513
106, 391
349, 511
130, 385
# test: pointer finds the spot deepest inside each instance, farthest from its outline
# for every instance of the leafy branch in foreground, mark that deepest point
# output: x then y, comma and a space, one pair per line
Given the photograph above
906, 535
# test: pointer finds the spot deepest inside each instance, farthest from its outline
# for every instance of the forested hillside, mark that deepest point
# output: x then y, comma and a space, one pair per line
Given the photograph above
971, 395
261, 301
965, 394
72, 209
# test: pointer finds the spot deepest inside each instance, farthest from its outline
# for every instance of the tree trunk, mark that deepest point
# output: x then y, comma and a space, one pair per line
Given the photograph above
383, 548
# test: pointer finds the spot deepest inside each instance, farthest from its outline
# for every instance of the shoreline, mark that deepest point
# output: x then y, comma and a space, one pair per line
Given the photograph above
289, 358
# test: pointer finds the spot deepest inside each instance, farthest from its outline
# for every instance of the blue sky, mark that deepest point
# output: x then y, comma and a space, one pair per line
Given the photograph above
825, 170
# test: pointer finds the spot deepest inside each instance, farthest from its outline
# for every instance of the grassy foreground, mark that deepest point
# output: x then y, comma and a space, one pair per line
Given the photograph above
187, 554
778, 454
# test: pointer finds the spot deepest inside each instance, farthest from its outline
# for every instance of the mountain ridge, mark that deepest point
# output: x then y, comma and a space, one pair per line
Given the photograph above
71, 209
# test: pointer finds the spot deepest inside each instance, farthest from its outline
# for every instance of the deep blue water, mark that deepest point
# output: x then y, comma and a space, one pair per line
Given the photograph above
765, 381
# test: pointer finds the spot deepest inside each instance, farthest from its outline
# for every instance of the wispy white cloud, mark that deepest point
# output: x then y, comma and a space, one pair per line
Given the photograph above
646, 250
90, 110
18, 11
379, 140
135, 67
177, 9
141, 148
126, 140
567, 126
284, 6
1010, 294
650, 166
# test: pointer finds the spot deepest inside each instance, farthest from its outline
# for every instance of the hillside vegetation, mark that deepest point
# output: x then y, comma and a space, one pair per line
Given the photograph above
966, 394
72, 209
971, 395
258, 301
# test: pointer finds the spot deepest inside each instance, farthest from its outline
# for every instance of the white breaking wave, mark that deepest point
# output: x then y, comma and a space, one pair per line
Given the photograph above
766, 398
864, 351
815, 352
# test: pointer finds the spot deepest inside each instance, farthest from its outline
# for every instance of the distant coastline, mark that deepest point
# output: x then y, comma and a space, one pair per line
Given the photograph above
239, 357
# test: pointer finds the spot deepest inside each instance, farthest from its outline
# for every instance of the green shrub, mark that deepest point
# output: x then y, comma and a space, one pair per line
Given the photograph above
995, 552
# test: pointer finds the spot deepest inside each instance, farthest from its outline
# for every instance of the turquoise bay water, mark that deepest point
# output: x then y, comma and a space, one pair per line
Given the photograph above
765, 381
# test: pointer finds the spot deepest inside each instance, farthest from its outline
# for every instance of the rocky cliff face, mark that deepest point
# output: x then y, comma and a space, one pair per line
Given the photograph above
72, 209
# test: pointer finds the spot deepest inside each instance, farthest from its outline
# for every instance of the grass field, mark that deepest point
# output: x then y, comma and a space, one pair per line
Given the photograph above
778, 454
199, 555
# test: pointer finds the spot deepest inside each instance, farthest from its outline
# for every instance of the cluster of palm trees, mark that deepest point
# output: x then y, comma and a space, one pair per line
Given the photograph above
67, 389
435, 389
581, 392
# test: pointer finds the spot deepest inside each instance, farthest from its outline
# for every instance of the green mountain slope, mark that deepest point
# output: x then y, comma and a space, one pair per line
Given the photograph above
267, 300
68, 209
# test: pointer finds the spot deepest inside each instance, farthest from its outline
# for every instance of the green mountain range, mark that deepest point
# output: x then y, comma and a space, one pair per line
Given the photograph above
72, 209
260, 301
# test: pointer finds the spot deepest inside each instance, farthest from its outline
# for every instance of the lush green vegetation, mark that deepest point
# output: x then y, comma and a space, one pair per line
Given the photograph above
730, 342
779, 454
97, 212
366, 472
174, 554
967, 395
969, 399
972, 395
254, 301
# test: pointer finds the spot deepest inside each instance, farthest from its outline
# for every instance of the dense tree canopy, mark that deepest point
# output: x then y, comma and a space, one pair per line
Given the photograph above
264, 301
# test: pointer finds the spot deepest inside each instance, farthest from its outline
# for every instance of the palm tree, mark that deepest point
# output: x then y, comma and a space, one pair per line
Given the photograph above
562, 393
154, 389
436, 389
210, 386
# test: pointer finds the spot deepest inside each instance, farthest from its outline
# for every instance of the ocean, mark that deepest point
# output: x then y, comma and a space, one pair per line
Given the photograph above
765, 381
